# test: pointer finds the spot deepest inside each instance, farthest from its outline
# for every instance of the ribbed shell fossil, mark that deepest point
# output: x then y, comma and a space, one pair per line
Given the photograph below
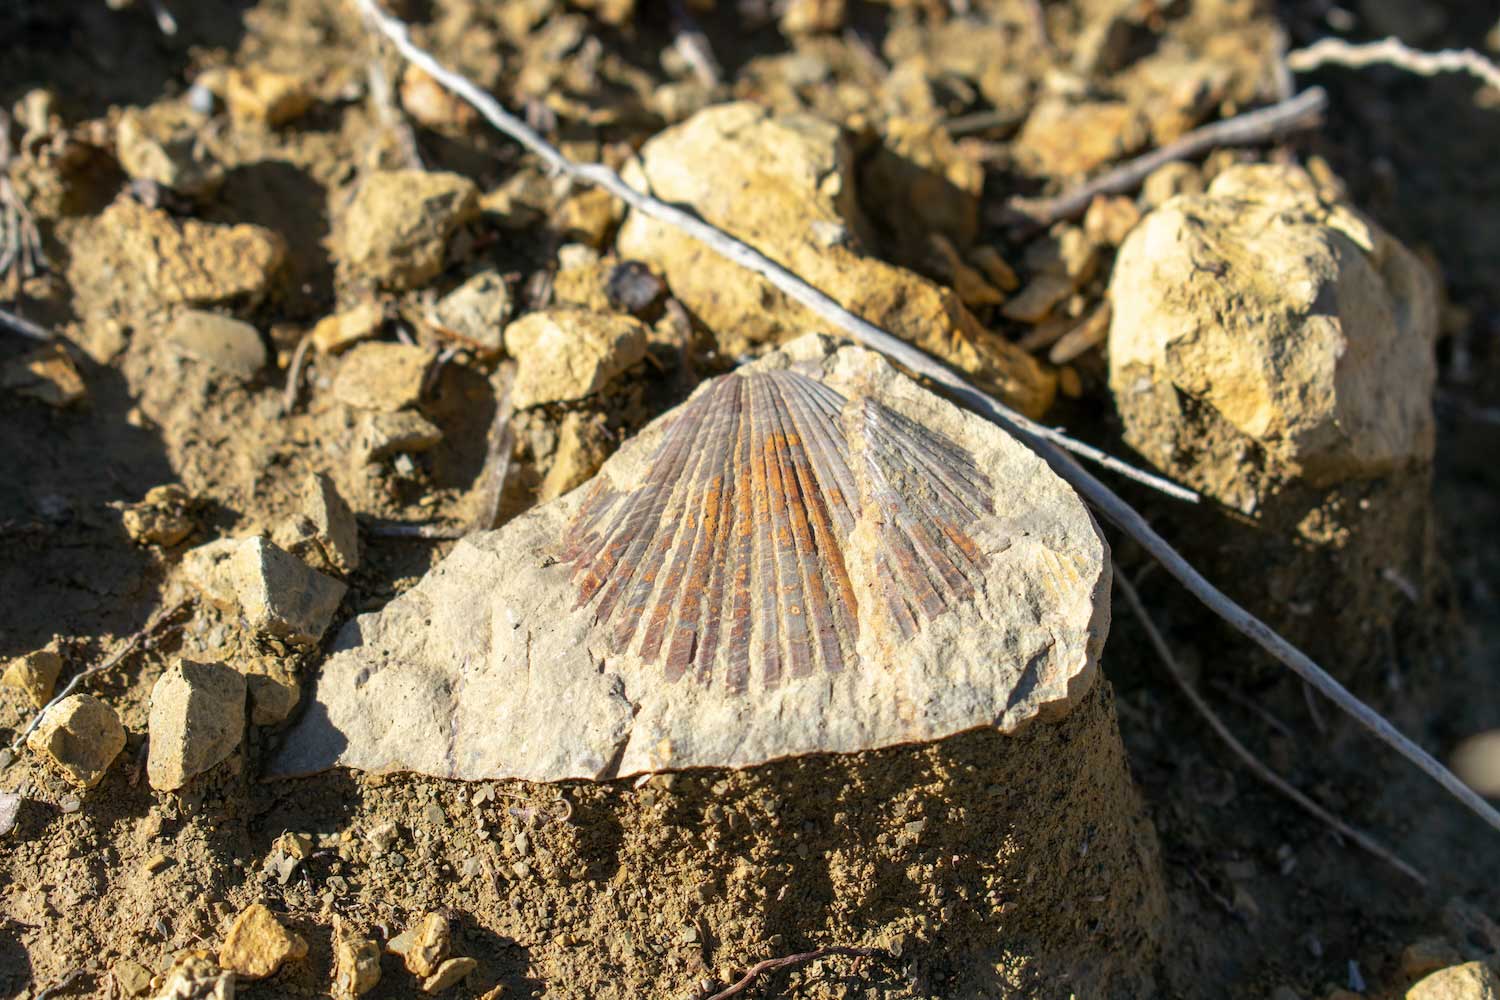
730, 562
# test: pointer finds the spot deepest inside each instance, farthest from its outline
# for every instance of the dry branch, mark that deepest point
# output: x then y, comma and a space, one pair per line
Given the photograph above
24, 327
1047, 443
1260, 770
773, 964
1392, 52
1262, 125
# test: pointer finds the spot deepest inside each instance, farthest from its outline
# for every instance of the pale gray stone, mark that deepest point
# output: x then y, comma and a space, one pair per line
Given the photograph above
197, 719
224, 344
275, 591
490, 668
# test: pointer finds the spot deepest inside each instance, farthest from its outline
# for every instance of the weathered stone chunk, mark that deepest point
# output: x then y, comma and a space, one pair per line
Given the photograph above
79, 736
567, 354
257, 94
477, 311
338, 332
400, 221
224, 344
163, 516
1296, 319
381, 435
197, 719
47, 375
35, 673
786, 185
450, 973
164, 144
1470, 981
277, 592
196, 976
190, 261
325, 535
257, 945
424, 945
380, 376
929, 574
356, 963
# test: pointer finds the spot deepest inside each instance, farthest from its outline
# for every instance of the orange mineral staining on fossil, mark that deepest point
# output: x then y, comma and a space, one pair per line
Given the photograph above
731, 561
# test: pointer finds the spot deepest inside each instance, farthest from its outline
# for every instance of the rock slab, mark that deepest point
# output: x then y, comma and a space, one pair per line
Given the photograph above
197, 719
80, 736
1301, 323
499, 663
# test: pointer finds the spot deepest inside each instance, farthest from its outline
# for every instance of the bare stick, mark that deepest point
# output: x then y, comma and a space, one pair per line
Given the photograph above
1262, 125
1392, 52
24, 327
774, 964
1047, 443
496, 468
294, 375
1257, 768
142, 638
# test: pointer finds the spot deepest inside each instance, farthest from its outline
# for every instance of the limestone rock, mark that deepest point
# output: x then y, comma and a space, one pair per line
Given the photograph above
333, 522
424, 945
79, 736
257, 94
164, 144
190, 261
506, 660
272, 687
1470, 981
47, 375
567, 354
450, 973
196, 976
583, 443
133, 978
275, 591
381, 376
162, 517
381, 435
356, 963
35, 673
257, 944
337, 333
398, 226
224, 344
1301, 323
477, 311
787, 186
197, 719
1061, 139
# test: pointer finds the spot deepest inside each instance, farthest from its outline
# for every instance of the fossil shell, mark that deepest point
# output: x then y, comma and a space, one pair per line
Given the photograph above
729, 562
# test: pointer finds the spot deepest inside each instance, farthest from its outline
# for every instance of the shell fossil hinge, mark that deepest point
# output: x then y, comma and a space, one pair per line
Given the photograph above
730, 560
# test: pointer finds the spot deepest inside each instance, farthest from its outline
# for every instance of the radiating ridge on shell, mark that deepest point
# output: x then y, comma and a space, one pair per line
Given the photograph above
729, 562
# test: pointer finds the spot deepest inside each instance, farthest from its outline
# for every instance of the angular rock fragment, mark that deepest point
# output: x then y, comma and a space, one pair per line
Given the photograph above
1470, 981
337, 333
224, 344
196, 976
257, 944
380, 376
450, 973
1307, 328
162, 517
399, 223
273, 689
164, 145
477, 311
80, 736
1061, 139
257, 94
787, 186
197, 719
275, 591
35, 673
381, 435
423, 946
325, 534
356, 963
813, 554
47, 375
190, 261
567, 354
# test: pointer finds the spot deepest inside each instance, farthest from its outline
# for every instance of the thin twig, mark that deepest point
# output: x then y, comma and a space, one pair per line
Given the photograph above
1262, 125
1048, 444
294, 375
774, 964
496, 468
143, 637
1260, 770
1393, 52
24, 327
61, 984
